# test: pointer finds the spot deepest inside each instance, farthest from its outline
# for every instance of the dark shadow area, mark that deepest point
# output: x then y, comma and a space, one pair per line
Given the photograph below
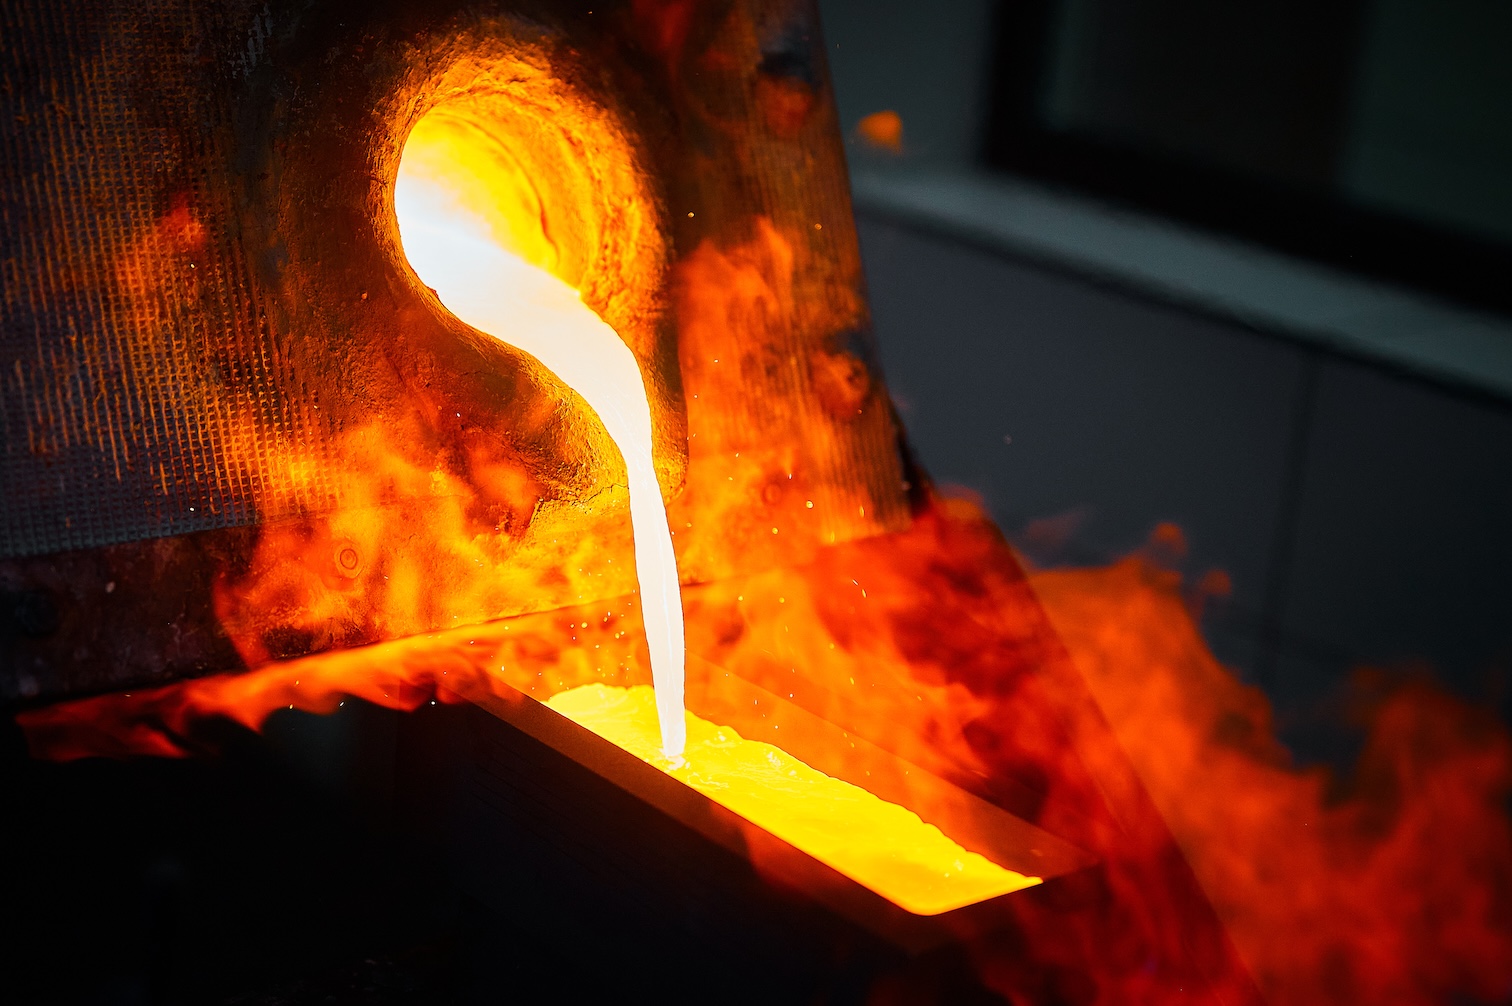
1367, 134
327, 861
212, 879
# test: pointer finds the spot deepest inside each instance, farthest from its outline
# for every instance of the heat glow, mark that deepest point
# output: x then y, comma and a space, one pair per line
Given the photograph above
921, 635
886, 847
1393, 884
472, 229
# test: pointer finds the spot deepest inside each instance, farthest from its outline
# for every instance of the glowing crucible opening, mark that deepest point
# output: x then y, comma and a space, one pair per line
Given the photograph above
472, 227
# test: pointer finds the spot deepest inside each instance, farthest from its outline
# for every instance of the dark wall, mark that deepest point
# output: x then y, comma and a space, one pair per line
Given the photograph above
1362, 516
1257, 86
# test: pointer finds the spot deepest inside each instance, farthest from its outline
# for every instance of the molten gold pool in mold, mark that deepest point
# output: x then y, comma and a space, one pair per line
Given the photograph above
811, 804
882, 845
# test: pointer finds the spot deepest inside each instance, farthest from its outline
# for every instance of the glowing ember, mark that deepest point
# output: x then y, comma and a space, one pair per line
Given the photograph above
886, 847
1391, 884
882, 131
471, 227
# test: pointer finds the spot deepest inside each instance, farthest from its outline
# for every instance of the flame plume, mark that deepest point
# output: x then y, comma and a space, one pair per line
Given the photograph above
1398, 891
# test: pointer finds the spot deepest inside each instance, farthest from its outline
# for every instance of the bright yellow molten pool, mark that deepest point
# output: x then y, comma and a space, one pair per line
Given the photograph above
881, 845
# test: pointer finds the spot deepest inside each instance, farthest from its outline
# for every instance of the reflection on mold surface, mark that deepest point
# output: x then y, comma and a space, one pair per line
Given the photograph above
879, 844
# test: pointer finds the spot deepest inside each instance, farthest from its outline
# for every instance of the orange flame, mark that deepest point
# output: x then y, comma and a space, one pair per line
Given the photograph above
1394, 886
928, 643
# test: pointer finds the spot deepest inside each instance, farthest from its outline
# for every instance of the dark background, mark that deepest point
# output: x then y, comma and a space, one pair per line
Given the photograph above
1360, 504
1366, 134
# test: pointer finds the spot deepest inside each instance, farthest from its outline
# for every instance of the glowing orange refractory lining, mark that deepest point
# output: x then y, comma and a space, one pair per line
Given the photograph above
880, 845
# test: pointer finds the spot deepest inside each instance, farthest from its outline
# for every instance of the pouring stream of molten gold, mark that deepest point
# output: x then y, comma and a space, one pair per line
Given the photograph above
467, 252
471, 227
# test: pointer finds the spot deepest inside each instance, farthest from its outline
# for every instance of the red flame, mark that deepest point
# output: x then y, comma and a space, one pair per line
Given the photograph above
1394, 885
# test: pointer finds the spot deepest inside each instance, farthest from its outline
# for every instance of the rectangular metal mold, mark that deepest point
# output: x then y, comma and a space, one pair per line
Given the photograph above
757, 714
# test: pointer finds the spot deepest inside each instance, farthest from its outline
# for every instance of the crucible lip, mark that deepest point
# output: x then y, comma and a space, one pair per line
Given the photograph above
573, 187
755, 713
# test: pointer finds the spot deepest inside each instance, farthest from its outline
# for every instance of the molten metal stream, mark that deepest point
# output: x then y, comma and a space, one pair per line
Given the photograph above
471, 228
453, 249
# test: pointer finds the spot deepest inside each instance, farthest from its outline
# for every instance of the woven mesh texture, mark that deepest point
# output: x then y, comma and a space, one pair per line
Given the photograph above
143, 390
